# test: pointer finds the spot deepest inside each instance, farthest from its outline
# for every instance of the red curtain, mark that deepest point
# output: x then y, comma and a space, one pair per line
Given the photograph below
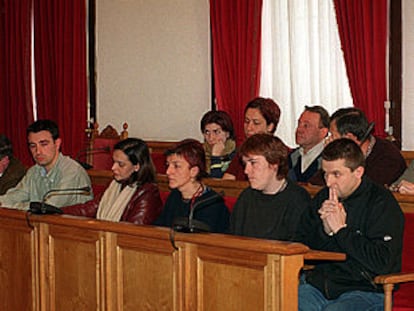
363, 32
60, 61
236, 40
15, 74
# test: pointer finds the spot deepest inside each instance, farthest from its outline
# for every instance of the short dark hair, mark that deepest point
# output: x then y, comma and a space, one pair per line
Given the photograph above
193, 152
219, 117
268, 108
269, 146
138, 153
347, 149
44, 125
346, 111
351, 120
323, 115
6, 148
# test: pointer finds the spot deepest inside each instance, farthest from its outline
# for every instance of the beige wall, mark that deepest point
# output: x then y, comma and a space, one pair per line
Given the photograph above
408, 75
153, 66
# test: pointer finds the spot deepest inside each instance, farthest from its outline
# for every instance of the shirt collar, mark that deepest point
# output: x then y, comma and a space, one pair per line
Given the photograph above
311, 155
53, 171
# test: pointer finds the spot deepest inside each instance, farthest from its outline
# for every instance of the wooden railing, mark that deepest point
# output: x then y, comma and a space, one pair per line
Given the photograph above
234, 188
408, 156
162, 146
70, 263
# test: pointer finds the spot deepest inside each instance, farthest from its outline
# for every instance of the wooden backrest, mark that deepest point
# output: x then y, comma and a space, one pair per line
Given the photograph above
157, 150
232, 189
99, 154
408, 156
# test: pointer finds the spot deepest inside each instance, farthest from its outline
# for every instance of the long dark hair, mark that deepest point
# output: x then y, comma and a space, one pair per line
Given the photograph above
138, 153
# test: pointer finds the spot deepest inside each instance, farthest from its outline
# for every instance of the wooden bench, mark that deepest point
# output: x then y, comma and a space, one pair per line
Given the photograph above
232, 189
229, 188
70, 263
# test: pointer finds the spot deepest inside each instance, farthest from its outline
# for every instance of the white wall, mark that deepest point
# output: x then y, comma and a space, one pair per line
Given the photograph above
408, 75
153, 66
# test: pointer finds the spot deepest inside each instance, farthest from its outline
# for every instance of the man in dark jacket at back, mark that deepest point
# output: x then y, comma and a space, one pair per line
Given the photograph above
355, 216
11, 169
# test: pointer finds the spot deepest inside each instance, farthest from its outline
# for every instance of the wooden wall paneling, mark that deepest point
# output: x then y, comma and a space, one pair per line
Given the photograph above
72, 268
19, 286
287, 286
111, 289
85, 264
146, 274
226, 275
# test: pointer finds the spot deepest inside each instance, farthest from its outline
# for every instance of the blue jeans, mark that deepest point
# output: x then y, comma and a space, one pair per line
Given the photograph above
311, 299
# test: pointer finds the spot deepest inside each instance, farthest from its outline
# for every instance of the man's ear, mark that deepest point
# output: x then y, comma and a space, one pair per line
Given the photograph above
359, 171
352, 137
58, 143
270, 127
324, 132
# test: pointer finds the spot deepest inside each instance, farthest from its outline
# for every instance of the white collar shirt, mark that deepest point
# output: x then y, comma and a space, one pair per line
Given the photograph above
311, 155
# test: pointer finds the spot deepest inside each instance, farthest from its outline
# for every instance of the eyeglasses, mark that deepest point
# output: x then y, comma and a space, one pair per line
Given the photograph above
213, 132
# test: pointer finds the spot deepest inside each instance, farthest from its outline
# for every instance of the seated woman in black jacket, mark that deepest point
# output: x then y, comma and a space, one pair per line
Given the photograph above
191, 206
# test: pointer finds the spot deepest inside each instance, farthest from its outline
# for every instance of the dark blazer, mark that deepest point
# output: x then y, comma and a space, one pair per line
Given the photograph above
12, 175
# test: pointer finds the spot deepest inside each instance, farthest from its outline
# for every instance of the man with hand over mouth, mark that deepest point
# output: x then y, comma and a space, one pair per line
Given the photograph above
355, 216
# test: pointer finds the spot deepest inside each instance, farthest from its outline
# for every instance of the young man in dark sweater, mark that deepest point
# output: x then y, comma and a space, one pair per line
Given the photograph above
272, 206
355, 216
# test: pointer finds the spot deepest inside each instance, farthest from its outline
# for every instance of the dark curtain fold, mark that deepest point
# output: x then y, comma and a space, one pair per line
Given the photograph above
363, 32
236, 42
60, 61
15, 74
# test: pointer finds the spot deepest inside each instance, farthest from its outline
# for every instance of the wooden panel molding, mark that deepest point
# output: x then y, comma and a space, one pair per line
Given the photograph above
70, 263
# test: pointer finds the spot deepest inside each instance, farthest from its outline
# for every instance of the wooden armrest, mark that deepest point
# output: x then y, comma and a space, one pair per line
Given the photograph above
395, 278
324, 255
388, 281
